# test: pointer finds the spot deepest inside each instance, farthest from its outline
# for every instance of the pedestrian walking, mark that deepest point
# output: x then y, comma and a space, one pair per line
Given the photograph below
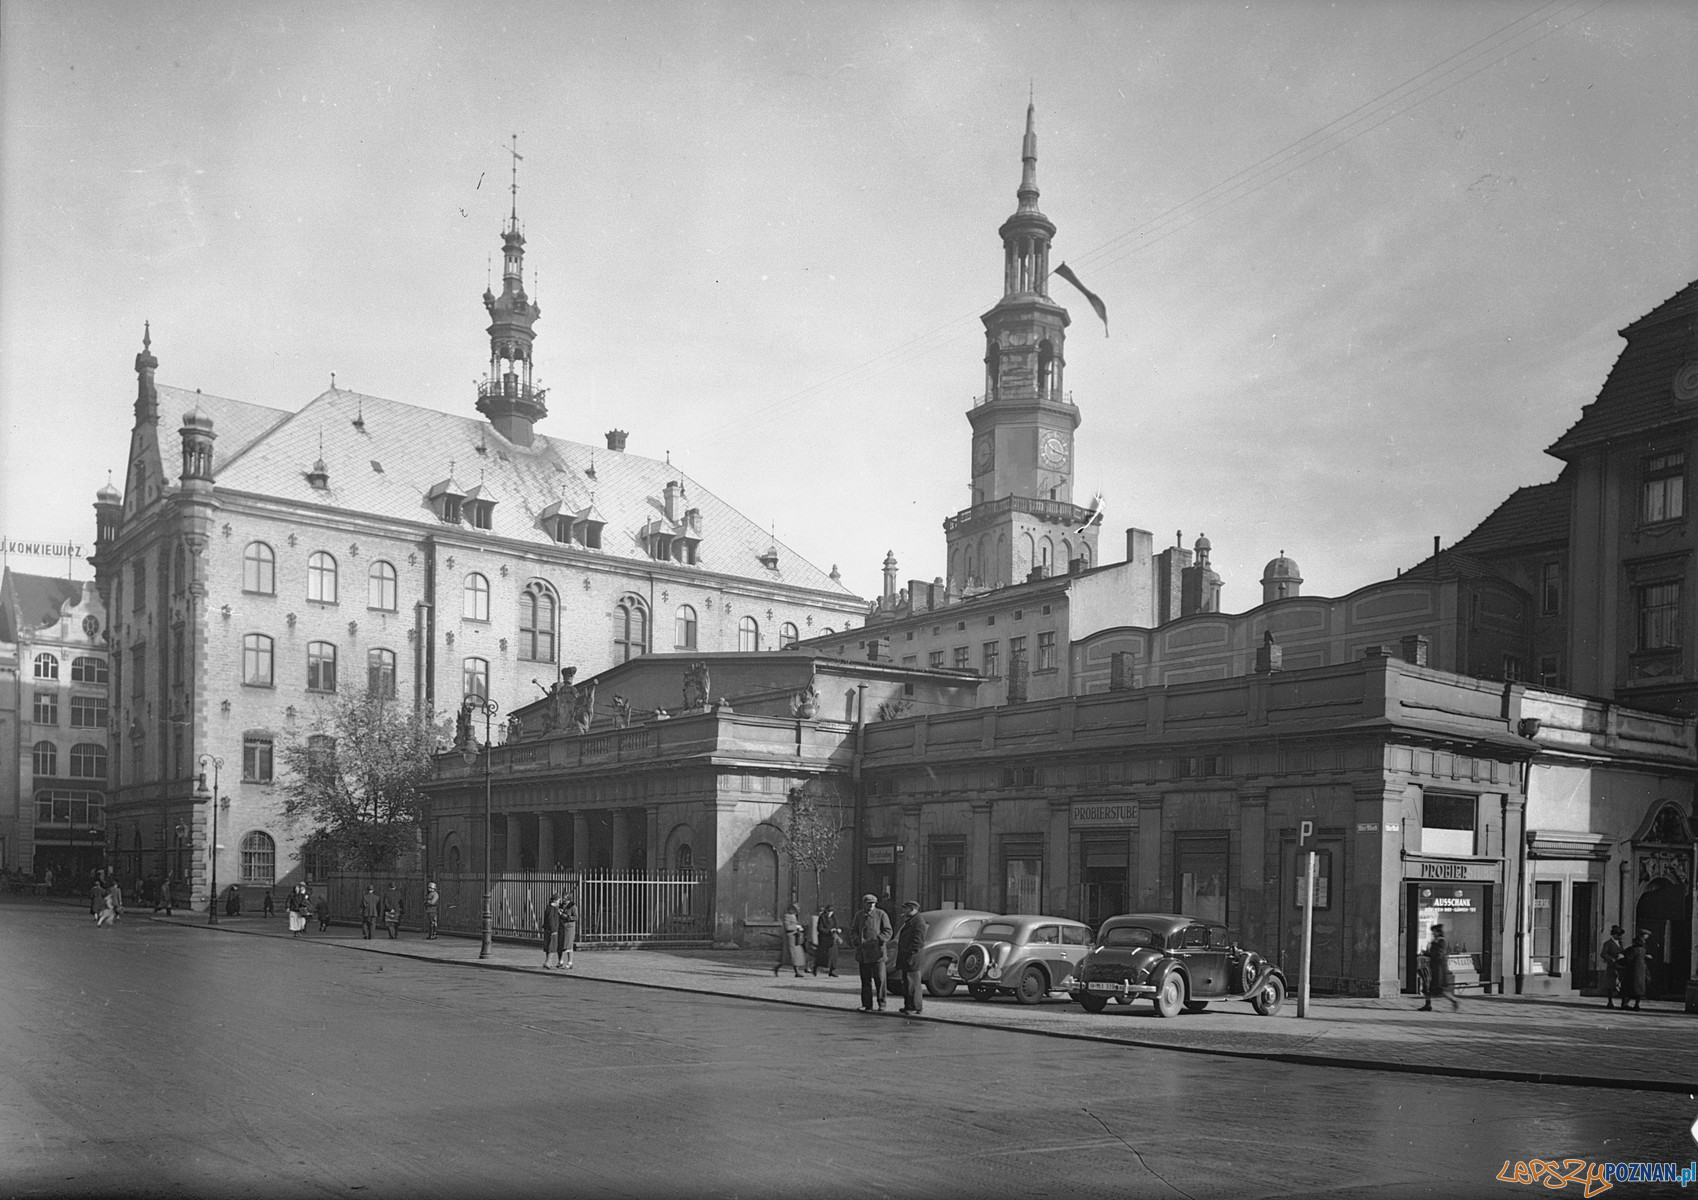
909, 942
269, 908
96, 896
393, 909
108, 911
321, 909
370, 907
297, 904
790, 942
825, 956
869, 931
1440, 982
810, 941
1635, 968
233, 902
115, 897
550, 929
1610, 955
433, 901
568, 928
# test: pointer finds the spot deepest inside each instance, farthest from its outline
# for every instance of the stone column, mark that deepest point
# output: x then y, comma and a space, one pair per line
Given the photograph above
580, 840
1372, 880
514, 841
1149, 855
621, 842
908, 887
979, 883
1058, 855
545, 841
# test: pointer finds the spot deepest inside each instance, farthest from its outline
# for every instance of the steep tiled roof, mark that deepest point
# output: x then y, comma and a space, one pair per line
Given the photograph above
385, 466
1532, 516
1639, 392
27, 602
235, 422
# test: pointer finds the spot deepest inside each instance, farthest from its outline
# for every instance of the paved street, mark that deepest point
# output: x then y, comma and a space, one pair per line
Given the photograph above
155, 1059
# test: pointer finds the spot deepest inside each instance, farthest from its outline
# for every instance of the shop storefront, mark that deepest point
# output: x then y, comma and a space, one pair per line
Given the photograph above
1461, 895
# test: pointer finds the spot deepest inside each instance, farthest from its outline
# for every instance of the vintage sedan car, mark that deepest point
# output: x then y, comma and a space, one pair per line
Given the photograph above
948, 932
1176, 963
1023, 953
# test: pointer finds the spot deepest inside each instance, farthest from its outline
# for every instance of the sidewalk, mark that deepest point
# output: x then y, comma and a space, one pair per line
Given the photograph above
1507, 1038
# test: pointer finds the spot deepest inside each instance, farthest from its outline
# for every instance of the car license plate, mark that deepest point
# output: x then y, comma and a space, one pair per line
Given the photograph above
1103, 987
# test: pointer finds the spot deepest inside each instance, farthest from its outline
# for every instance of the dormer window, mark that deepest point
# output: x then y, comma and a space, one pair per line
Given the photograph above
567, 526
447, 499
478, 508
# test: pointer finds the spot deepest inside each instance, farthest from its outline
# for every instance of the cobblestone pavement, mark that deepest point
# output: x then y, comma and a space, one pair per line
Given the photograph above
1493, 1037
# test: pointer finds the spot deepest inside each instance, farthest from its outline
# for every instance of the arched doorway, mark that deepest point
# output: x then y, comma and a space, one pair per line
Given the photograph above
1664, 913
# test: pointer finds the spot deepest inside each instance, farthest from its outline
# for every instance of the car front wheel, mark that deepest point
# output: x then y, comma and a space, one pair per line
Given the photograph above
1171, 998
938, 982
1032, 986
1270, 997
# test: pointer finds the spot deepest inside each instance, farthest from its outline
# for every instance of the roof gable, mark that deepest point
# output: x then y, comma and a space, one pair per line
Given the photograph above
1642, 393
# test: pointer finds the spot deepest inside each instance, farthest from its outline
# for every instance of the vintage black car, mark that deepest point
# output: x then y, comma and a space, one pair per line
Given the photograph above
1176, 963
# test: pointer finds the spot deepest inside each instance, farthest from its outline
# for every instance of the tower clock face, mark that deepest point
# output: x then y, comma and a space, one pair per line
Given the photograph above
984, 453
1053, 450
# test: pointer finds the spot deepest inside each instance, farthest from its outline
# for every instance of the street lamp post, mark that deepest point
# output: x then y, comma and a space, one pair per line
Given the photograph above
202, 794
469, 752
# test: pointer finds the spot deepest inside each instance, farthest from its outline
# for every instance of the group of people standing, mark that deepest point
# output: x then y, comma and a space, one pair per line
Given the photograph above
1627, 969
813, 945
559, 930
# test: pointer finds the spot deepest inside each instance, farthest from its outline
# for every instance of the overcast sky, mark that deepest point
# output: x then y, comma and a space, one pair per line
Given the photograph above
1363, 262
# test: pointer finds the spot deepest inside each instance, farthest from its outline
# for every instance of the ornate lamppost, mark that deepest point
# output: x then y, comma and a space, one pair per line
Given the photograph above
469, 751
202, 794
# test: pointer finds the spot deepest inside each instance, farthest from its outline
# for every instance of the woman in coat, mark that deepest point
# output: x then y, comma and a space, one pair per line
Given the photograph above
568, 928
297, 904
1634, 966
829, 934
550, 929
790, 945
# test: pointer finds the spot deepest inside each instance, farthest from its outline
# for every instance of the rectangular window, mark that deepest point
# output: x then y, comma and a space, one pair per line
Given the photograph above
86, 669
47, 708
321, 667
962, 654
1323, 879
1546, 895
1550, 671
949, 881
1511, 667
1200, 877
1046, 651
88, 712
1017, 660
1023, 879
474, 678
1659, 616
1550, 589
256, 660
992, 660
936, 662
910, 660
1663, 494
380, 673
256, 759
1447, 824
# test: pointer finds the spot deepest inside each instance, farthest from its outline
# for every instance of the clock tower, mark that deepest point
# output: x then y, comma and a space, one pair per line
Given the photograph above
1022, 517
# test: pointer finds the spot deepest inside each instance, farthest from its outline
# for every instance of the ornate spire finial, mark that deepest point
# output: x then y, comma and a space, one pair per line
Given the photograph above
517, 159
147, 335
1028, 192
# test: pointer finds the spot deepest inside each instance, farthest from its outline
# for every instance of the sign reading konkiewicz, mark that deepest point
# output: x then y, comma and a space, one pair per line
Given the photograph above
1104, 814
42, 549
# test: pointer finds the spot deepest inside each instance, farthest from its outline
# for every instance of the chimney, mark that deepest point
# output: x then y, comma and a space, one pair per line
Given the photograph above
1268, 655
889, 577
673, 491
616, 440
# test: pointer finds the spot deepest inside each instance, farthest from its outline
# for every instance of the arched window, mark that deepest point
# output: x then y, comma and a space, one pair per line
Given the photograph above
380, 673
454, 860
321, 667
630, 629
748, 634
259, 859
760, 883
788, 636
321, 577
536, 622
474, 678
1046, 553
46, 758
88, 669
256, 660
88, 761
476, 598
684, 858
380, 588
46, 666
685, 638
259, 569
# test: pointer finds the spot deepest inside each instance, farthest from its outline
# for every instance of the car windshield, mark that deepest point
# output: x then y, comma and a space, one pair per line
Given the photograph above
1128, 936
996, 931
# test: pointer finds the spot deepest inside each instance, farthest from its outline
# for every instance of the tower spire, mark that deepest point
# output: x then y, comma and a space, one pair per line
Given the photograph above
513, 215
508, 396
1028, 192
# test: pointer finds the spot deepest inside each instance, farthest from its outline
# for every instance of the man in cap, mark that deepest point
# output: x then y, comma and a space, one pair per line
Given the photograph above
909, 942
1610, 955
1439, 979
433, 902
869, 930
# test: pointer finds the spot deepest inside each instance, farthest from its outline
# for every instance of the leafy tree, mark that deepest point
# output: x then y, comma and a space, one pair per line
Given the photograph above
812, 834
355, 776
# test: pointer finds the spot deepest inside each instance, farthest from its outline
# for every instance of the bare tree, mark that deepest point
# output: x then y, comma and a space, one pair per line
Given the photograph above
812, 834
355, 776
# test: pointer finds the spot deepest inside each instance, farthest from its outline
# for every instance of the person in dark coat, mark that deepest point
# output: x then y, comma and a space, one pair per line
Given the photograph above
269, 909
1610, 955
790, 953
1635, 968
568, 929
393, 908
233, 901
910, 940
433, 904
550, 929
370, 907
321, 910
869, 930
829, 934
298, 905
1439, 979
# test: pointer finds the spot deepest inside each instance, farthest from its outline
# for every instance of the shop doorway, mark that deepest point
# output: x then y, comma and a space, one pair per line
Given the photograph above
1104, 878
1586, 914
1664, 912
1464, 909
